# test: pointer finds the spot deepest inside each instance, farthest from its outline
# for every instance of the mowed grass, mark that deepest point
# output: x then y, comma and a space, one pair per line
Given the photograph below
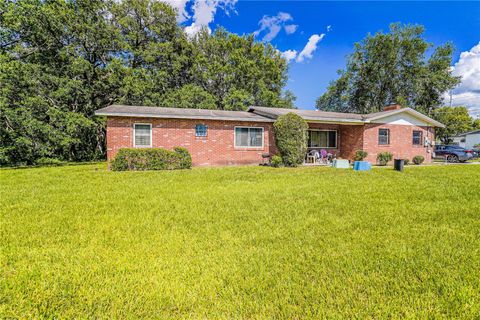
240, 242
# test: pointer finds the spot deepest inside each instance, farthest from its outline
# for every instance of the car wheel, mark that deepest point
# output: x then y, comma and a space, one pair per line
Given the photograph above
452, 158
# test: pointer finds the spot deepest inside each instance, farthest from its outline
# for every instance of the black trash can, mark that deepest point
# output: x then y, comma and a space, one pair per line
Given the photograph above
398, 164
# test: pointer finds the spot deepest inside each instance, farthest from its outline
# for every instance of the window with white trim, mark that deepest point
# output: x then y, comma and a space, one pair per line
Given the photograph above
201, 130
248, 137
142, 135
322, 139
383, 136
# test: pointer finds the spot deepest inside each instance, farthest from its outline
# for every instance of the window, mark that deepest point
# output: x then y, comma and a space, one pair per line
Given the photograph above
201, 130
248, 137
322, 138
417, 138
383, 136
142, 134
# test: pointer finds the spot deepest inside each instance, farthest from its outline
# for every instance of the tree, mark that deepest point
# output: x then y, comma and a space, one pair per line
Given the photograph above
62, 60
189, 96
476, 124
291, 138
239, 72
388, 67
456, 120
56, 68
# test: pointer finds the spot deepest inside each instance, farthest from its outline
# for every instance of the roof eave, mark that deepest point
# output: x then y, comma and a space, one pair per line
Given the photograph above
415, 113
334, 121
141, 115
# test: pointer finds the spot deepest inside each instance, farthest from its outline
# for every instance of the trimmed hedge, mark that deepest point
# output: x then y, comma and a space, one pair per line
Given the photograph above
291, 138
418, 159
383, 158
276, 161
151, 159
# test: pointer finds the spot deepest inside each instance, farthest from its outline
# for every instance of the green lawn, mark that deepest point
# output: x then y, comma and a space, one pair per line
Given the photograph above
240, 242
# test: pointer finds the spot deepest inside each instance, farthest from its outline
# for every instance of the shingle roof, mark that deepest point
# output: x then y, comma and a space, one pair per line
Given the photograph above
309, 115
324, 116
179, 113
468, 132
256, 114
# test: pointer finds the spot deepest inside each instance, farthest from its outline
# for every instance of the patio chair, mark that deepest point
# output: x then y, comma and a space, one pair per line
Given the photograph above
312, 156
324, 157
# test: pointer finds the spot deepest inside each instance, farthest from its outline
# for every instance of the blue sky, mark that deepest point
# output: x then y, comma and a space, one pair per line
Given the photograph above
335, 27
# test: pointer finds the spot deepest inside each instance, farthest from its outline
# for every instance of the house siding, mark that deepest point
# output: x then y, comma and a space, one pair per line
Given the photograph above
401, 145
351, 140
217, 148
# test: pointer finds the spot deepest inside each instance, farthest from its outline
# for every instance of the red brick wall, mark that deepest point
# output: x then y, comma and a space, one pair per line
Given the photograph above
400, 146
351, 137
218, 147
215, 149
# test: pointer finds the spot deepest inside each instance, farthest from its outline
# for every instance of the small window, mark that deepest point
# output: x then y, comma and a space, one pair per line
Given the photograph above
383, 136
142, 135
322, 138
417, 138
249, 137
201, 130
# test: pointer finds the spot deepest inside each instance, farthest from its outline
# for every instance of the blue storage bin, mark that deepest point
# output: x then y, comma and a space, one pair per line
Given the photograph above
362, 166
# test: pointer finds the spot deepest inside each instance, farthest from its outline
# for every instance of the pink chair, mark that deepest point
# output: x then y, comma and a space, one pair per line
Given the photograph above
324, 156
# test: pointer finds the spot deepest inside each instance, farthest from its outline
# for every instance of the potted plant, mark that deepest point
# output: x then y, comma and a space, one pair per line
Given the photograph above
359, 164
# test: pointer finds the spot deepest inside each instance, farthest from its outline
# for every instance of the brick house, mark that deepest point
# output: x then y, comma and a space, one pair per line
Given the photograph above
215, 137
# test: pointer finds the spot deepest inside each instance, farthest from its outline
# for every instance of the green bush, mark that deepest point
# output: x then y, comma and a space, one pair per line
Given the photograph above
151, 159
185, 157
406, 162
383, 158
360, 155
418, 160
49, 162
276, 161
291, 138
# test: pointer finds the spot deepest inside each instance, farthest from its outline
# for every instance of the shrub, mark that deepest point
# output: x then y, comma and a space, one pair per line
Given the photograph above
383, 158
418, 160
185, 157
151, 159
291, 138
406, 162
360, 155
49, 162
276, 161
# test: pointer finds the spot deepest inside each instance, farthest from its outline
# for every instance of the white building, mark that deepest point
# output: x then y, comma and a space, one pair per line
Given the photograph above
467, 139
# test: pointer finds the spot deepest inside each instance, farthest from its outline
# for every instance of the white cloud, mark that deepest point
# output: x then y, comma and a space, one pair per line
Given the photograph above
310, 47
329, 28
468, 91
272, 25
180, 5
204, 13
291, 28
289, 55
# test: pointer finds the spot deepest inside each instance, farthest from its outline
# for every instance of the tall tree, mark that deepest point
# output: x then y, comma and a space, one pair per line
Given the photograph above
388, 67
456, 120
238, 71
60, 60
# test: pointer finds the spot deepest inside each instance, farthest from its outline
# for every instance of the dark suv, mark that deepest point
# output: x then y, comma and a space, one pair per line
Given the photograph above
452, 153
